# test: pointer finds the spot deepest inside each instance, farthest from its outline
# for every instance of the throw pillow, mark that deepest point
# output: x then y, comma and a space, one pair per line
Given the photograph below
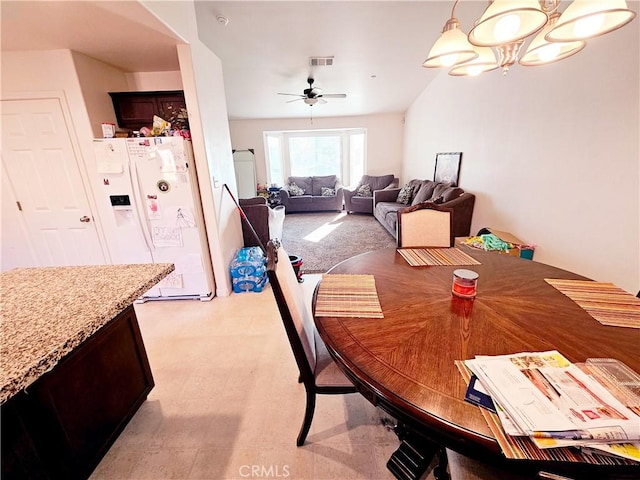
295, 190
364, 191
328, 192
405, 194
439, 190
424, 192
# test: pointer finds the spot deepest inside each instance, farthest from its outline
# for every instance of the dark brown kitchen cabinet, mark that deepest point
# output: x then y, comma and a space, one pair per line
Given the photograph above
136, 109
62, 425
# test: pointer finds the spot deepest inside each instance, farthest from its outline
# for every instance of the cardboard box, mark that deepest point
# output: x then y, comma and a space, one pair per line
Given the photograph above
525, 250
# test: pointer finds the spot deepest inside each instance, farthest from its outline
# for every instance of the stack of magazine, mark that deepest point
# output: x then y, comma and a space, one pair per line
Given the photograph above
593, 406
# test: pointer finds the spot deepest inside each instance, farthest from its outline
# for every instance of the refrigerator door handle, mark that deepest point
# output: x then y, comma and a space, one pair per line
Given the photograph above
137, 191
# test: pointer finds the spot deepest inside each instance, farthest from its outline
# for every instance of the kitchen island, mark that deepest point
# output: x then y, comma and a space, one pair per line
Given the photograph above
73, 368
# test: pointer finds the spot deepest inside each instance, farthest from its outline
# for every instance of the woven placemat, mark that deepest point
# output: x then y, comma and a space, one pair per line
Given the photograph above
348, 296
420, 257
607, 303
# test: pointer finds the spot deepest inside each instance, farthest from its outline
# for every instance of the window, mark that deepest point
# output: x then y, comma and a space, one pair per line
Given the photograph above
316, 152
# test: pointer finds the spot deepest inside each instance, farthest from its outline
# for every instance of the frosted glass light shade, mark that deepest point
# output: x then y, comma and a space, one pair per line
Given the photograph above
485, 62
450, 49
588, 18
542, 51
507, 21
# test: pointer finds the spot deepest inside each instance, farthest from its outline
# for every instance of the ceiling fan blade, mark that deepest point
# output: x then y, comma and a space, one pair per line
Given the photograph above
334, 95
295, 100
292, 94
321, 100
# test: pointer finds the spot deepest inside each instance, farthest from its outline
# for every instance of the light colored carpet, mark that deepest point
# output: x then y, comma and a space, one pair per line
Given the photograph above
324, 239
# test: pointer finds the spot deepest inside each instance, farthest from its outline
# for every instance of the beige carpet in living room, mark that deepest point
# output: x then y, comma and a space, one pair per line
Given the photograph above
324, 239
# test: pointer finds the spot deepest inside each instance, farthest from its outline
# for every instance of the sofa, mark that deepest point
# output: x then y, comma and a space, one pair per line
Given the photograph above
360, 199
312, 194
386, 204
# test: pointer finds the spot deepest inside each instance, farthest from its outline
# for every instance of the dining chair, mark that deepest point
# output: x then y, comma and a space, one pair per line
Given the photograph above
425, 225
318, 372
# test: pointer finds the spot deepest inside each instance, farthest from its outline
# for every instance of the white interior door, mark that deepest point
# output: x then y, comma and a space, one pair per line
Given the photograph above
42, 166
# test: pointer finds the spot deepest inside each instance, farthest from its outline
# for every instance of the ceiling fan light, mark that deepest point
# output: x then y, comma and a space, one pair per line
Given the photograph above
485, 62
588, 18
542, 51
506, 21
451, 48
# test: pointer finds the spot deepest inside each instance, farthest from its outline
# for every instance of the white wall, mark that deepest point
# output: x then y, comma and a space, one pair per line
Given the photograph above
153, 81
34, 73
85, 82
96, 79
201, 75
384, 138
552, 153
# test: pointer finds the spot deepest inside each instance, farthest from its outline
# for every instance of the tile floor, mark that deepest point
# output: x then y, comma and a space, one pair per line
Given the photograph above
227, 404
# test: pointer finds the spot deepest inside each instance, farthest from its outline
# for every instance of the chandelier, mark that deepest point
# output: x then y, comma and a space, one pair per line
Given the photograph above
506, 24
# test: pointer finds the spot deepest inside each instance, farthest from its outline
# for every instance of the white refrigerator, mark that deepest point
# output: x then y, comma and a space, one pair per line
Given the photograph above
151, 212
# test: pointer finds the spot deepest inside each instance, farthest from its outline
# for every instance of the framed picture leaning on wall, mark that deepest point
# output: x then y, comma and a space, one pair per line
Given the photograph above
447, 168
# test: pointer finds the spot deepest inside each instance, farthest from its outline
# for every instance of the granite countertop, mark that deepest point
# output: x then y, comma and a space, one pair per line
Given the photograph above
47, 312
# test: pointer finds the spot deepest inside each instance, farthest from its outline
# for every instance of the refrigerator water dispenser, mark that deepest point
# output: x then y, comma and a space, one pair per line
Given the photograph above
122, 209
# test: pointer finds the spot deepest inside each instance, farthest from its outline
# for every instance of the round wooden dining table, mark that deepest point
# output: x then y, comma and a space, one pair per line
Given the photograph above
404, 362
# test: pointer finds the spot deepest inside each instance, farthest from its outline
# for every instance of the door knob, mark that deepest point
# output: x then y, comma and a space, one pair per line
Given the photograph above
85, 219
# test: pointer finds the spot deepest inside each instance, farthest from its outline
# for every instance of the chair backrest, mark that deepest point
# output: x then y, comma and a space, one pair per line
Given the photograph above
256, 221
425, 225
297, 319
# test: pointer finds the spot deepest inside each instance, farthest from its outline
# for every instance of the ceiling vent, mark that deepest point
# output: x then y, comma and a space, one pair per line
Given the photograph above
320, 61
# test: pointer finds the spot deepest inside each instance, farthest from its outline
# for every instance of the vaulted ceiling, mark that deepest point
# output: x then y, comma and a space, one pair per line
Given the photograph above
377, 46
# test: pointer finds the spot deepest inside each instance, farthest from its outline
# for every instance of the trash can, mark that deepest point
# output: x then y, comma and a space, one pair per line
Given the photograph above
276, 219
296, 263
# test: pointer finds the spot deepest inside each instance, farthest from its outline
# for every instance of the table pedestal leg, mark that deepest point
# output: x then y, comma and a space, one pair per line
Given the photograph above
414, 457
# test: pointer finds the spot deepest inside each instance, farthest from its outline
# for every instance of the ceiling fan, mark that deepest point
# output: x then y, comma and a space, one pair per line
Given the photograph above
313, 95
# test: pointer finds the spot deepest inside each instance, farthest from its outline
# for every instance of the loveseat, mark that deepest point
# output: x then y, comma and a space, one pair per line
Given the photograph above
312, 194
360, 199
386, 203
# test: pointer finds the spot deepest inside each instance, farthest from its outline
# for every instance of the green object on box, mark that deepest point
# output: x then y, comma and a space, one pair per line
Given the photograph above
526, 253
495, 240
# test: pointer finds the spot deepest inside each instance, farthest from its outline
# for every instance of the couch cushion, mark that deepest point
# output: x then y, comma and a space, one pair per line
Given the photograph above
383, 209
294, 190
328, 181
445, 192
377, 182
364, 191
425, 192
452, 193
355, 200
416, 184
440, 188
303, 182
302, 199
392, 220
